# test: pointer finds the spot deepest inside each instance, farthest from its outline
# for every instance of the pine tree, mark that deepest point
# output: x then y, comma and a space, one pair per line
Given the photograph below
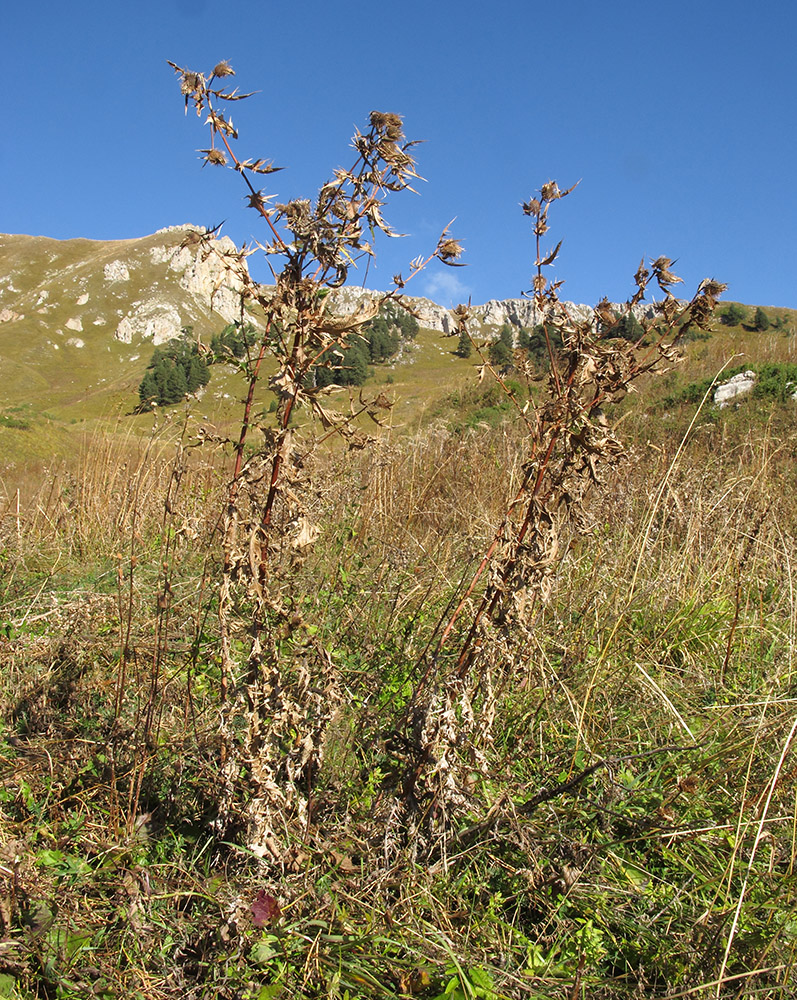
148, 391
176, 384
734, 315
198, 374
629, 328
464, 345
499, 354
507, 336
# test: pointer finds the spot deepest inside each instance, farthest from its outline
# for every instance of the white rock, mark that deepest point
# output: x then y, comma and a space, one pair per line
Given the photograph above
116, 270
75, 342
74, 324
185, 227
737, 386
8, 316
43, 296
203, 273
82, 299
152, 320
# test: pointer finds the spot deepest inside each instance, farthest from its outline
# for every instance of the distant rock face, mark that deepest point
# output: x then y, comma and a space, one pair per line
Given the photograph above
200, 270
433, 316
493, 314
150, 320
203, 274
428, 313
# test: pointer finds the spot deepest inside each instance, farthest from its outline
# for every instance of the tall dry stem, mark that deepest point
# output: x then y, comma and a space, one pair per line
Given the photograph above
286, 689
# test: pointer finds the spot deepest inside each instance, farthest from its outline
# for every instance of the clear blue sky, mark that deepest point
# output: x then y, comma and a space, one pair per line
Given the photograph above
680, 121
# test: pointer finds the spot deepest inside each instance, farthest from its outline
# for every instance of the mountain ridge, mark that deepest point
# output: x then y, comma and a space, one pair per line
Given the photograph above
79, 320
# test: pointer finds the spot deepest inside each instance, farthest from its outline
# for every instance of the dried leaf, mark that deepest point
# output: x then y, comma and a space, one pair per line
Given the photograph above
306, 535
265, 909
551, 256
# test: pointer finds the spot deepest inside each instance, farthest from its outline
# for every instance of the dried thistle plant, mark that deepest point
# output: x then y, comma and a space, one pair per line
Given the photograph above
568, 445
280, 694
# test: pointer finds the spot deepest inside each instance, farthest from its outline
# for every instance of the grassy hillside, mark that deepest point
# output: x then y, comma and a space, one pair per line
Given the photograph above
632, 814
57, 384
60, 364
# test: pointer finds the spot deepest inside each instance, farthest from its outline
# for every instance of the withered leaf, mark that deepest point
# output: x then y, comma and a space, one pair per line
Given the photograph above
551, 256
265, 909
259, 166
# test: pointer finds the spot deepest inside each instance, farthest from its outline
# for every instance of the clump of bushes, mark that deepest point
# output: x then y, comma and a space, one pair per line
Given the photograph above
775, 381
533, 342
174, 370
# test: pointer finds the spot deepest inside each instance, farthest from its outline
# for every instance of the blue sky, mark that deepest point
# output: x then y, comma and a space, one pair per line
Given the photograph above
679, 120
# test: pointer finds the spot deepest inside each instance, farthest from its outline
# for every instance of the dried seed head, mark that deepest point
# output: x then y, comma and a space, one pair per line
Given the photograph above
711, 289
549, 191
361, 144
642, 274
531, 207
223, 69
539, 283
448, 249
662, 273
604, 313
191, 83
390, 124
214, 156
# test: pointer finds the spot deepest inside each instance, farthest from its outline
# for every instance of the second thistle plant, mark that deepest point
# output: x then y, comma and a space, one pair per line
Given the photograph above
567, 445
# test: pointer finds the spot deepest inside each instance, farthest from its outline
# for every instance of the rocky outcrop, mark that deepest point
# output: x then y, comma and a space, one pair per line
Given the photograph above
116, 270
741, 385
490, 317
150, 320
199, 270
737, 386
429, 314
203, 274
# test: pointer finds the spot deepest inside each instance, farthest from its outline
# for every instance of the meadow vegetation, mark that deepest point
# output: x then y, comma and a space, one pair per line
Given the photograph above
498, 706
